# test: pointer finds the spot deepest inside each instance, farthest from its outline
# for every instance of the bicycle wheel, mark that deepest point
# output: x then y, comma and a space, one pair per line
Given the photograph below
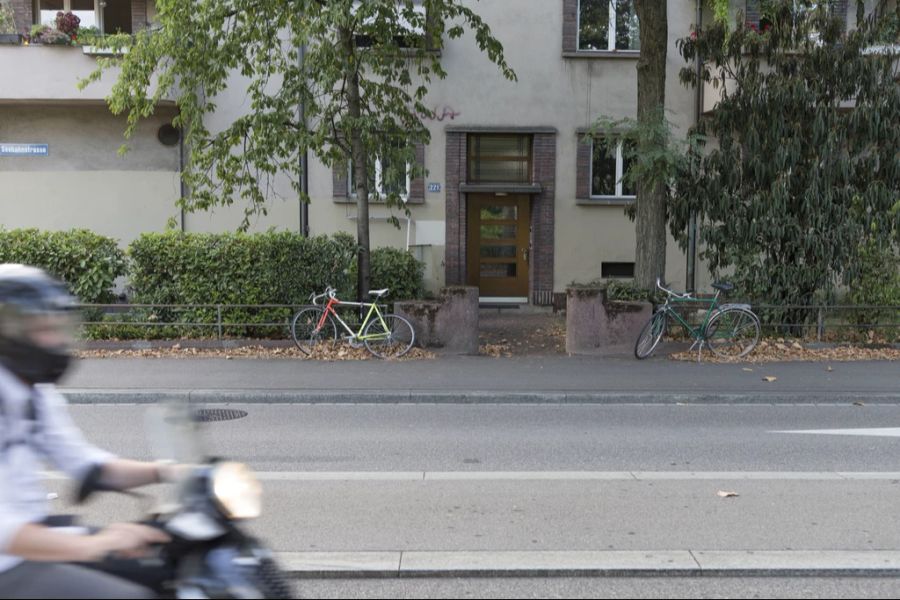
391, 336
733, 332
305, 331
650, 335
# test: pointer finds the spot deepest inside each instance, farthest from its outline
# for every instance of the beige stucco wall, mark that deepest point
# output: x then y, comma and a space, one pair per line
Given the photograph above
84, 182
551, 91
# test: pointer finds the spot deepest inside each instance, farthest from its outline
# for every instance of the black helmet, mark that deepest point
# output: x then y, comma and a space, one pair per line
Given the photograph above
36, 324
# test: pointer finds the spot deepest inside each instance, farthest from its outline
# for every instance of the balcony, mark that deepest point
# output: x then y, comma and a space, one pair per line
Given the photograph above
39, 73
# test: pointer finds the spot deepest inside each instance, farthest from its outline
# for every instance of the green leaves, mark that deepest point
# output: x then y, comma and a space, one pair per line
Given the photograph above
266, 268
805, 170
192, 55
88, 263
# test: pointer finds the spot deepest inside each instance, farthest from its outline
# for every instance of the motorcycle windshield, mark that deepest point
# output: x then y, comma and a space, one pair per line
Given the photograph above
174, 433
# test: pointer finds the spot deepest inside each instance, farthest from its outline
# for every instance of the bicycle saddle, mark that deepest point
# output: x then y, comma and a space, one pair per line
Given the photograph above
723, 286
378, 292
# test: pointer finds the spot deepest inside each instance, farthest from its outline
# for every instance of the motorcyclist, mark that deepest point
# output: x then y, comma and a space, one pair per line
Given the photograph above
36, 561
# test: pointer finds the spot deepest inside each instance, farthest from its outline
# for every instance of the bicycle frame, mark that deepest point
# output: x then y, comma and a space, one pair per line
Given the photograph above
373, 308
711, 305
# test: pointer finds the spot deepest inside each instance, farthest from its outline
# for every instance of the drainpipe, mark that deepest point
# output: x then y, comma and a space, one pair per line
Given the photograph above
691, 283
304, 162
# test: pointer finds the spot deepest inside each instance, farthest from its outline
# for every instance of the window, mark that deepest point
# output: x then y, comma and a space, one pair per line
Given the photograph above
617, 270
110, 16
608, 169
383, 180
758, 18
86, 10
499, 158
608, 25
410, 27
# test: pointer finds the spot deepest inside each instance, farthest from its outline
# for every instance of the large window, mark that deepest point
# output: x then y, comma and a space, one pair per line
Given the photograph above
608, 169
499, 158
608, 25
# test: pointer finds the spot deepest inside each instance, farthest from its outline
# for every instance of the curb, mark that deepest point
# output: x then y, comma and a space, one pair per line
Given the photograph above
636, 563
251, 396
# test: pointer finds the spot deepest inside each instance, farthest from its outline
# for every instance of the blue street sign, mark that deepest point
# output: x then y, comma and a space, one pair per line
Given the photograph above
7, 149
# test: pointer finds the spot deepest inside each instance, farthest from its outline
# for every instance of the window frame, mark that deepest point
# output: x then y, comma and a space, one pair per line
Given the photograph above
379, 182
528, 159
67, 7
99, 17
610, 33
620, 174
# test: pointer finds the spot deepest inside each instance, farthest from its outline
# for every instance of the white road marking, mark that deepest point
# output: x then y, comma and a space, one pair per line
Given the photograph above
872, 431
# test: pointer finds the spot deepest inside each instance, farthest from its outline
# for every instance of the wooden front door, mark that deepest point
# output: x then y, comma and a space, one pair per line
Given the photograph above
498, 244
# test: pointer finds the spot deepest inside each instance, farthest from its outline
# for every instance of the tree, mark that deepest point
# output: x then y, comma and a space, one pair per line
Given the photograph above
650, 204
361, 83
805, 168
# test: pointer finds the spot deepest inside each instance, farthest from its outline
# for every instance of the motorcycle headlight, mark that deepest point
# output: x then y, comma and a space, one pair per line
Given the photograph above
236, 490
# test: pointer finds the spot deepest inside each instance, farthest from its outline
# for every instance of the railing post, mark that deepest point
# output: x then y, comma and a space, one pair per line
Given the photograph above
219, 319
820, 324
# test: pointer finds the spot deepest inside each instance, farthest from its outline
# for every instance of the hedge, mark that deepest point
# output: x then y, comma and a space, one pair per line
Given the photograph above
236, 268
87, 262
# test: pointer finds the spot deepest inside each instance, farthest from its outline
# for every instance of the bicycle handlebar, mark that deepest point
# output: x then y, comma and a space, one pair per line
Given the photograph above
670, 292
329, 291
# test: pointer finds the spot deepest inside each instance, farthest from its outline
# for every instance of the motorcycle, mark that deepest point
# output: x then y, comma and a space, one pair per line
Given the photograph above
209, 555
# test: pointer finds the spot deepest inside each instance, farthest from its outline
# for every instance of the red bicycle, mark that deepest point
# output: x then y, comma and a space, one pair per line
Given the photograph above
384, 335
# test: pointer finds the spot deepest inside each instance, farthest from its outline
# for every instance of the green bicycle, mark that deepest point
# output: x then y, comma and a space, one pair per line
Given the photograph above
729, 330
384, 335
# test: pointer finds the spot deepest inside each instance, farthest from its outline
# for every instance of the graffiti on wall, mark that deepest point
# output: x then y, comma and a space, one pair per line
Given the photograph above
439, 114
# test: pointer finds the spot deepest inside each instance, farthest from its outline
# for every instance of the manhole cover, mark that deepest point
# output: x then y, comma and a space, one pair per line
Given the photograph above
206, 415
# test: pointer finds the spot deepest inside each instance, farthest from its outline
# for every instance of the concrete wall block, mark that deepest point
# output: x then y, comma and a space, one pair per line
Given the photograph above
457, 321
585, 317
593, 323
423, 316
624, 321
450, 323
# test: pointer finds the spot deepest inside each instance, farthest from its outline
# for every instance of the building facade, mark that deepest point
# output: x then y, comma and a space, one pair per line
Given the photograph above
516, 201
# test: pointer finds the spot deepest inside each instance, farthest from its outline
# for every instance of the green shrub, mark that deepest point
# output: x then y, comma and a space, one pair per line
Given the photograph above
235, 268
87, 262
395, 269
877, 283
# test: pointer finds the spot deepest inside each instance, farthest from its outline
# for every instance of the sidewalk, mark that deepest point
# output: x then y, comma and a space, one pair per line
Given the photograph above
465, 379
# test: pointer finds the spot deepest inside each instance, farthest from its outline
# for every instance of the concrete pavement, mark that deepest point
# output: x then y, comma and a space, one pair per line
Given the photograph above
467, 379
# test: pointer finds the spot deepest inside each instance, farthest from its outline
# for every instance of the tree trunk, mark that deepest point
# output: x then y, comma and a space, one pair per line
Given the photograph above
360, 170
650, 205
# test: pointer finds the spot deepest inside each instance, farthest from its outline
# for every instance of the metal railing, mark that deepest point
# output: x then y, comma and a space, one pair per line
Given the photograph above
216, 317
819, 319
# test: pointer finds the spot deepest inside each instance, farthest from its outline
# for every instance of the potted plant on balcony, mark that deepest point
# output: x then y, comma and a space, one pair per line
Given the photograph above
65, 32
8, 33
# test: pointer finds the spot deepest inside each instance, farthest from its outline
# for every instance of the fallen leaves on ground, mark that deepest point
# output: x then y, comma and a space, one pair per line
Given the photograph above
769, 378
724, 494
323, 352
495, 350
778, 350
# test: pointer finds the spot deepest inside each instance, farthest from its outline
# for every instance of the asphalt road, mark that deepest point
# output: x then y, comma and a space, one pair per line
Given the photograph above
485, 478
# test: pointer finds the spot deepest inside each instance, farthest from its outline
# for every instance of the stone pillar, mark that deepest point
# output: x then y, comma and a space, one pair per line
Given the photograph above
457, 320
594, 323
450, 323
623, 321
584, 318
